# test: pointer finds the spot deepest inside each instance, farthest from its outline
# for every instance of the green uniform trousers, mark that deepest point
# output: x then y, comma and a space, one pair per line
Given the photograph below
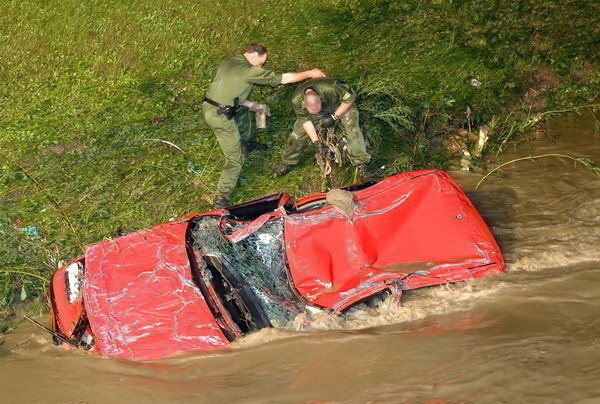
357, 149
230, 134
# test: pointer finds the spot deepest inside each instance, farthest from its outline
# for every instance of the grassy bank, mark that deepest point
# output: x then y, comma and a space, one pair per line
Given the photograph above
84, 83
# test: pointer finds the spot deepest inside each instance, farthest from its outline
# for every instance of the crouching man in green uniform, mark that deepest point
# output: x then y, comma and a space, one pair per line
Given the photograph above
320, 103
226, 109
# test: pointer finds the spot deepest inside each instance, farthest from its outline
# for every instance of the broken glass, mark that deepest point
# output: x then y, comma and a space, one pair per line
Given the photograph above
259, 259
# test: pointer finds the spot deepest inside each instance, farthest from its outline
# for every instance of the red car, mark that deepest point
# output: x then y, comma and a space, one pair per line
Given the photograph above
207, 279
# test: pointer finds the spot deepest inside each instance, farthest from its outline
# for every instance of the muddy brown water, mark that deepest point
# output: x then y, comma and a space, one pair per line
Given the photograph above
531, 335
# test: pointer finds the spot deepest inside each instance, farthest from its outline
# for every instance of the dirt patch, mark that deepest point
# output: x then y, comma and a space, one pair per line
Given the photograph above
541, 81
582, 73
62, 148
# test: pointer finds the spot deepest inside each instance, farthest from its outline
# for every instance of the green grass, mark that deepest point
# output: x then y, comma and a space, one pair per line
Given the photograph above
83, 82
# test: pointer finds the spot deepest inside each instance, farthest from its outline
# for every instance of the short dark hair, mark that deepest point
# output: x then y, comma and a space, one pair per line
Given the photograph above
256, 47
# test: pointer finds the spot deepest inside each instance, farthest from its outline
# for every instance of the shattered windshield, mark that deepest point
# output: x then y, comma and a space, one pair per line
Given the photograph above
259, 259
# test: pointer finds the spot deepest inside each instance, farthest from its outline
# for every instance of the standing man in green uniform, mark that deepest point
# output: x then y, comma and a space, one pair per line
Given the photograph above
320, 103
226, 109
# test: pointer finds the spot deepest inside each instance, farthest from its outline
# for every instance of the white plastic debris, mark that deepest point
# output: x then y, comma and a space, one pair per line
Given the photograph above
475, 82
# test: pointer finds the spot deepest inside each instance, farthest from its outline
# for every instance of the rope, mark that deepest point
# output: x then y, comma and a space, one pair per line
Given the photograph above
334, 155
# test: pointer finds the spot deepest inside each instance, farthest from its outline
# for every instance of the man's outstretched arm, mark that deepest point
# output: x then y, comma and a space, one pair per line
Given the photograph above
287, 78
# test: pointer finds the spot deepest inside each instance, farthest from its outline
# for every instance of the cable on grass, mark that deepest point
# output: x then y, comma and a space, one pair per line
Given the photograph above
190, 164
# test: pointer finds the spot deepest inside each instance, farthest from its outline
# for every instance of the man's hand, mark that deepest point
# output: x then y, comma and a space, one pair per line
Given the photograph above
316, 73
260, 108
320, 149
328, 120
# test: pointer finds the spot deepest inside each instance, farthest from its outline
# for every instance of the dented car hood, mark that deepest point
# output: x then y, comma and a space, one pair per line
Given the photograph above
140, 298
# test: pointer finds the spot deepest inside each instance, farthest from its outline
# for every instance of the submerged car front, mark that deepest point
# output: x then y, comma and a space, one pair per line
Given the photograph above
135, 297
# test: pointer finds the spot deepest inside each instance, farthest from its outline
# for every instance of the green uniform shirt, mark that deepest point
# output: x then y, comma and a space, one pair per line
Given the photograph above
332, 92
236, 77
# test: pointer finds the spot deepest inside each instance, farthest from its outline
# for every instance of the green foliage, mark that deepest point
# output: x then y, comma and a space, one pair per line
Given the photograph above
84, 82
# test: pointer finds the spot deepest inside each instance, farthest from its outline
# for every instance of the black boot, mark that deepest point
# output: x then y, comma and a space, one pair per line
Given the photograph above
281, 169
363, 172
251, 145
220, 202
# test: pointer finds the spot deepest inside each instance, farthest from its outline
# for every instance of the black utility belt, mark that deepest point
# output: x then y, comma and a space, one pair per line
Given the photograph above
228, 110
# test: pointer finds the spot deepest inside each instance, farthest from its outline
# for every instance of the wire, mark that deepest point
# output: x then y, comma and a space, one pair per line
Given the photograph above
190, 166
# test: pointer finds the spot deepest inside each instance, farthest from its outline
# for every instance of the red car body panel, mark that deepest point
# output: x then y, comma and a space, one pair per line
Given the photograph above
140, 299
407, 231
412, 222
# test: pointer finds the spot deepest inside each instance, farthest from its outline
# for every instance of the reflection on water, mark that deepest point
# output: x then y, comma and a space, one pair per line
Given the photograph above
530, 335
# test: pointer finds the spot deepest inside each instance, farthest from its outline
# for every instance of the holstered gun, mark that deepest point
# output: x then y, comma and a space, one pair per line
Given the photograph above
228, 110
